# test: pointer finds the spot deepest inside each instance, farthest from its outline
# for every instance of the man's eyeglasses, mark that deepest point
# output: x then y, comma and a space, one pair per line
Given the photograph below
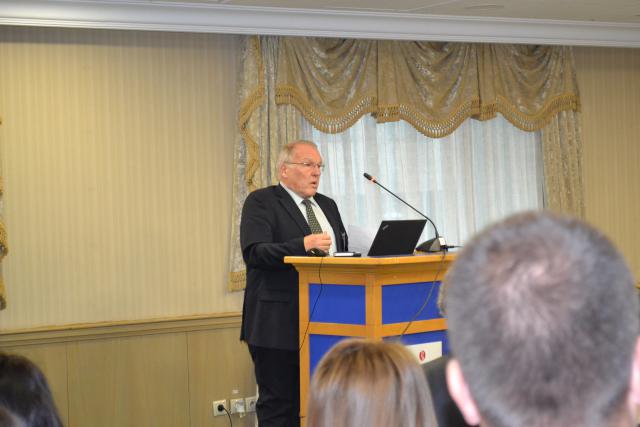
308, 165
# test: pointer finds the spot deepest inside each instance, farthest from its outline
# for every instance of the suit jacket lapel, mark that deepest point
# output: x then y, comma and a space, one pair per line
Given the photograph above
290, 207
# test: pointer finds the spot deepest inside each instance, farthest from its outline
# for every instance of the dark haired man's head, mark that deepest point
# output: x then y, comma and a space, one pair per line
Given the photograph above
543, 322
24, 391
9, 419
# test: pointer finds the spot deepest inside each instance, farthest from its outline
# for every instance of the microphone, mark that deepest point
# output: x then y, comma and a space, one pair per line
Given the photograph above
436, 244
345, 247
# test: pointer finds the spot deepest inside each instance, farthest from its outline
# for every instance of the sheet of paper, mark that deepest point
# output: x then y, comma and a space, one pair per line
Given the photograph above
360, 238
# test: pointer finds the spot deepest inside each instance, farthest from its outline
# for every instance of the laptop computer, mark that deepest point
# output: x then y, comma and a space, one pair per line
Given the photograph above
397, 237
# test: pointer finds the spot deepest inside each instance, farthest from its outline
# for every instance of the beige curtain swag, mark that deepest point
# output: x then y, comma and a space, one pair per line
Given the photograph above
433, 86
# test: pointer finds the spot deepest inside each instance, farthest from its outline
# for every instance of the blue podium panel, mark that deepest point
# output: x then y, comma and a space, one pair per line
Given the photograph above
319, 345
344, 304
401, 303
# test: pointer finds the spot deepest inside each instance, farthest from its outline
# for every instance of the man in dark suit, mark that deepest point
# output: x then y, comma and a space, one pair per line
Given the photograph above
278, 221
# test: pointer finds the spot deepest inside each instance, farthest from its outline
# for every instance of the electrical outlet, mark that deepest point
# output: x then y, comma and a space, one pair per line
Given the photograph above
250, 403
217, 411
237, 406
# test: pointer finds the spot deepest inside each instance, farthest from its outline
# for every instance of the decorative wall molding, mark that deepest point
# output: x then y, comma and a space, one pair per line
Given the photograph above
215, 18
82, 332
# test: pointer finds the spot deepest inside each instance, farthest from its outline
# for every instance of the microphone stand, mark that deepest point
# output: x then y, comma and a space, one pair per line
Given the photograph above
437, 244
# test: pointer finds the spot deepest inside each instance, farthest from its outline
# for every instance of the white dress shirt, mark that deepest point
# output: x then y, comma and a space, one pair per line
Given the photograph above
320, 216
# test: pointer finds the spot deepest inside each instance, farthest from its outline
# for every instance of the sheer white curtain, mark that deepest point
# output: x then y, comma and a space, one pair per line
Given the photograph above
482, 172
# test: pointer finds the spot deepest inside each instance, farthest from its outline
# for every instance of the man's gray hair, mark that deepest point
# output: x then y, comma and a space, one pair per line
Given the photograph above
543, 319
286, 150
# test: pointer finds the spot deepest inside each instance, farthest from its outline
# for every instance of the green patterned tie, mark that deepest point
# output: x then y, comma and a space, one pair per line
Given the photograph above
311, 218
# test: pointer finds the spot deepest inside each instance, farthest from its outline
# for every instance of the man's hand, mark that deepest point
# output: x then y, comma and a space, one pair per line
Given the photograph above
320, 241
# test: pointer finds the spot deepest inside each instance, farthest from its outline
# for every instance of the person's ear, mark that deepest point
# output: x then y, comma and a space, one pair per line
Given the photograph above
459, 391
634, 382
283, 170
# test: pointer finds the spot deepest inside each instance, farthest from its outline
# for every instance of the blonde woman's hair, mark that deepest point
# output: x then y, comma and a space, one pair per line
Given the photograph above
365, 383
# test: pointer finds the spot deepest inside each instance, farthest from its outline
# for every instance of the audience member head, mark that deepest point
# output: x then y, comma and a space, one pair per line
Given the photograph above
9, 419
25, 392
365, 383
299, 167
543, 323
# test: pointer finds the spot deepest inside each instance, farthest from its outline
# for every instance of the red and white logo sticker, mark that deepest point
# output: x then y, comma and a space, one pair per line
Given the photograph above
426, 352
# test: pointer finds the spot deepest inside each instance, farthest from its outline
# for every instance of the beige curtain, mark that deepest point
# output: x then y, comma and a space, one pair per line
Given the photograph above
562, 158
264, 127
432, 86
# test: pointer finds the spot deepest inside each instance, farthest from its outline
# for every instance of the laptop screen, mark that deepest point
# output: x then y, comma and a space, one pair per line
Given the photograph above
397, 237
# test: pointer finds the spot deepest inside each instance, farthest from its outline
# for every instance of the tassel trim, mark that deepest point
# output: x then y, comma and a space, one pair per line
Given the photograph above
429, 128
432, 128
530, 122
334, 123
237, 281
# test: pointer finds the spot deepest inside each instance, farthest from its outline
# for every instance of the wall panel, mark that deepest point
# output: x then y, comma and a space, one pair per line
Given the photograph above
218, 372
609, 82
129, 382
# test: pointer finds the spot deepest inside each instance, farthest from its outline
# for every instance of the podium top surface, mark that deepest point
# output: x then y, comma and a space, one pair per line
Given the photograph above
370, 261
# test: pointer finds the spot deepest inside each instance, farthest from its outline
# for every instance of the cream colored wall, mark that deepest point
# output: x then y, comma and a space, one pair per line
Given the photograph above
117, 159
609, 81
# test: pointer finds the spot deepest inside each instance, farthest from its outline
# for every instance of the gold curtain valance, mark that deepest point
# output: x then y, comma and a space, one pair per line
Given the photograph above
332, 81
528, 85
433, 86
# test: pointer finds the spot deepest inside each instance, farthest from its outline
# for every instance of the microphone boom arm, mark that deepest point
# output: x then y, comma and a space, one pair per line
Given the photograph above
432, 245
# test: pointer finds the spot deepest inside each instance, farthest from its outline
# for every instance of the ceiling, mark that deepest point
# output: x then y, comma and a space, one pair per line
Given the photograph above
581, 10
567, 22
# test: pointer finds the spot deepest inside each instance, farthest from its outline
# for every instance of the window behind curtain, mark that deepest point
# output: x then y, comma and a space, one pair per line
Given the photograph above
482, 172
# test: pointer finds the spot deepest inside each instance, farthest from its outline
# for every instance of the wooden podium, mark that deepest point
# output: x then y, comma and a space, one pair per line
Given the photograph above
376, 298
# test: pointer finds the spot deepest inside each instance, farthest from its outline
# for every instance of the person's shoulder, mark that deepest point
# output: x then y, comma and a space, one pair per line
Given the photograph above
325, 201
435, 366
266, 192
321, 197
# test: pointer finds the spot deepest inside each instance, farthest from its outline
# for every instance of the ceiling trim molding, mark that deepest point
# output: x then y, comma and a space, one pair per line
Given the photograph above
215, 18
